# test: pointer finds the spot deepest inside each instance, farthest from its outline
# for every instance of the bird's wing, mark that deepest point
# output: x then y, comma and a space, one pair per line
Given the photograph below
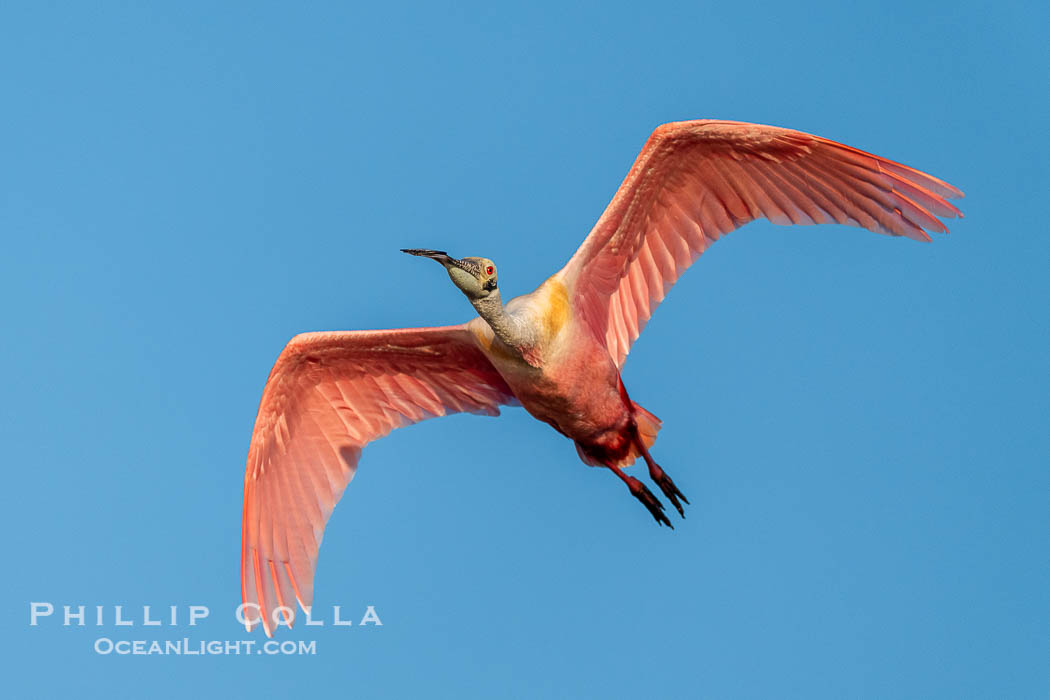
695, 181
328, 395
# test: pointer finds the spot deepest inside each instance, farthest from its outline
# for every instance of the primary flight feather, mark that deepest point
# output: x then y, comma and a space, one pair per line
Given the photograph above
557, 351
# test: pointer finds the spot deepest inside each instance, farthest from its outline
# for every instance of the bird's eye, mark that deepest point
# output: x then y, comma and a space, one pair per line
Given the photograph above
489, 269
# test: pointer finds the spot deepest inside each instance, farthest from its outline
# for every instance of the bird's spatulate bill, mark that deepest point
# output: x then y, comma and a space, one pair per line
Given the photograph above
423, 252
440, 256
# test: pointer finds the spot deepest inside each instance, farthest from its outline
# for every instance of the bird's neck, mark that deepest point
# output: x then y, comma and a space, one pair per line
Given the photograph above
512, 330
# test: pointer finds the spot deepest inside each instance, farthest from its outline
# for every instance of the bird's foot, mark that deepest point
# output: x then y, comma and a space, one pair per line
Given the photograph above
660, 478
643, 494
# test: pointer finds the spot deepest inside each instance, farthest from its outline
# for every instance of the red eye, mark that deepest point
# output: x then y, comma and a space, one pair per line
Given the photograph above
488, 270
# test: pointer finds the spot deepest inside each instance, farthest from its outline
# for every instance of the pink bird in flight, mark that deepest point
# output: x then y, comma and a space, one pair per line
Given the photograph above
557, 351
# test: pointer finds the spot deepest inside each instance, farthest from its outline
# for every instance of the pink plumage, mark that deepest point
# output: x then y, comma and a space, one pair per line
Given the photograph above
557, 351
329, 395
696, 181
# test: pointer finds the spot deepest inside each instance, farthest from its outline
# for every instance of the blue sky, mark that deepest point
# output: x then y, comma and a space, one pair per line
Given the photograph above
859, 421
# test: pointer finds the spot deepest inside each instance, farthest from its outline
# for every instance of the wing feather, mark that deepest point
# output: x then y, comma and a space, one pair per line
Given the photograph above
696, 181
329, 395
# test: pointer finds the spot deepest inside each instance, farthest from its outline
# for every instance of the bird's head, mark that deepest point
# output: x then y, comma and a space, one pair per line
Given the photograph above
475, 277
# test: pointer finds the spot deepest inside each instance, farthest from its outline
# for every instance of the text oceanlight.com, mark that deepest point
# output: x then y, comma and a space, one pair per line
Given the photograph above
214, 647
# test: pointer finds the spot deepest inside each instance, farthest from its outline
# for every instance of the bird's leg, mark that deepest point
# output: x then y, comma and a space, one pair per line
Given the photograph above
643, 494
660, 478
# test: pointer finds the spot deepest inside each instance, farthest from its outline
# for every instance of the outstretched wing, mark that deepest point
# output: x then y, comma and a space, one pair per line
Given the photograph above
328, 395
695, 181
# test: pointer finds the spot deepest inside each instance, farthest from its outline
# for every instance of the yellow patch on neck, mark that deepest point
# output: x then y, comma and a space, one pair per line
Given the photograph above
556, 307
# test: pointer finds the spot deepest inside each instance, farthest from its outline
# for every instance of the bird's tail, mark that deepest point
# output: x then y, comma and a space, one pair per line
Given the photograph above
648, 426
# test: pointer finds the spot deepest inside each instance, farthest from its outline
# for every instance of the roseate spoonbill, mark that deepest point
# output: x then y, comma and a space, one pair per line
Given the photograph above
557, 351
